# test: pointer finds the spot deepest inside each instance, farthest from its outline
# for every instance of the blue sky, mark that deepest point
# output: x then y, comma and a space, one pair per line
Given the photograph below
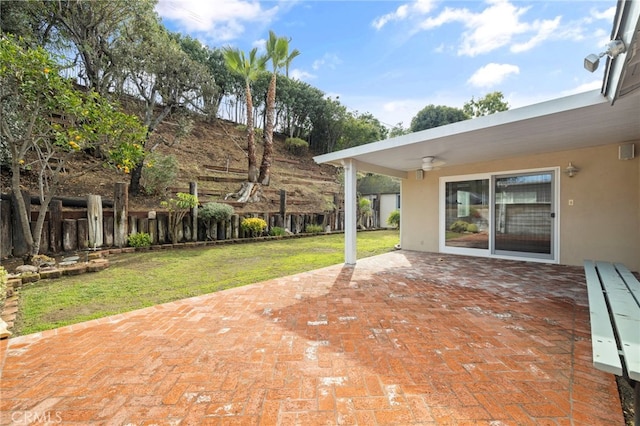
393, 58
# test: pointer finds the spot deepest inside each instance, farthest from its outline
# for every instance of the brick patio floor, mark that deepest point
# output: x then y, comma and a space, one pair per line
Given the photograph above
401, 339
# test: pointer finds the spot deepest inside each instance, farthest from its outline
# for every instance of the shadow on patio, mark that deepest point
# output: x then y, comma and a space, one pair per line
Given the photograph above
402, 338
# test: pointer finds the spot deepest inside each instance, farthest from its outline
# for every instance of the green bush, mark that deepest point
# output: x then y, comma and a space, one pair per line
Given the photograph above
296, 146
472, 227
313, 229
216, 211
459, 226
158, 173
277, 231
254, 225
140, 239
394, 218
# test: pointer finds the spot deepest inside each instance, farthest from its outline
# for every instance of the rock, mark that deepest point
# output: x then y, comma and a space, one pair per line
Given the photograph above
22, 269
4, 333
70, 259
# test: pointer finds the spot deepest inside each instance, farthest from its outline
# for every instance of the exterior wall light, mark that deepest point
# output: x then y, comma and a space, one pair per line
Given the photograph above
614, 48
571, 170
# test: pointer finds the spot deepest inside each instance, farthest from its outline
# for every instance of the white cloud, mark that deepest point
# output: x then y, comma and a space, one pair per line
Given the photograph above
545, 30
405, 11
219, 20
298, 74
492, 74
329, 60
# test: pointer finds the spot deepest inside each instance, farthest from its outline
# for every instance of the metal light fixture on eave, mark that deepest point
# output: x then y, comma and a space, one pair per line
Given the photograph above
427, 163
614, 48
571, 170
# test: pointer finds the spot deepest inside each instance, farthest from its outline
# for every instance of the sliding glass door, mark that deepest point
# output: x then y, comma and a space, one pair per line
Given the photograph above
524, 215
510, 214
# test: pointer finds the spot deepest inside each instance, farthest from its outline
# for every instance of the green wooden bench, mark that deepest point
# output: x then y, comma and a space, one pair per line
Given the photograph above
614, 307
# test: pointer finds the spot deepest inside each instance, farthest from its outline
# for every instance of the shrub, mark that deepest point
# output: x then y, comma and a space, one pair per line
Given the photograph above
459, 226
313, 229
254, 225
472, 227
277, 231
140, 239
296, 146
159, 172
394, 218
178, 207
216, 211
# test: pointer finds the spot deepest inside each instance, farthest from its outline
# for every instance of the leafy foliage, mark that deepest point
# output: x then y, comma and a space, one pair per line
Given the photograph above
394, 218
43, 118
277, 231
313, 229
159, 172
254, 225
492, 102
140, 239
178, 207
296, 146
360, 129
434, 116
216, 211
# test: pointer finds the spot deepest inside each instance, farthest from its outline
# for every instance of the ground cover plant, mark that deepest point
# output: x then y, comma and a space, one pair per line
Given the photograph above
141, 279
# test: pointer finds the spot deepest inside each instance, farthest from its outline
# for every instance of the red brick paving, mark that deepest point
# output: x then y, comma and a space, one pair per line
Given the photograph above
403, 338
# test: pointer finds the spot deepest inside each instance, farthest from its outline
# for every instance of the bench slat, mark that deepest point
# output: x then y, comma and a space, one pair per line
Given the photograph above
603, 341
626, 314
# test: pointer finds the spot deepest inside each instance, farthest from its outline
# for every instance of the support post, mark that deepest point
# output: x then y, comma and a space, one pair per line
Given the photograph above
350, 222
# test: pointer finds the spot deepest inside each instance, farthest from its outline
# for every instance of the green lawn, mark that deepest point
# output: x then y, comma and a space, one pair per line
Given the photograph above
141, 279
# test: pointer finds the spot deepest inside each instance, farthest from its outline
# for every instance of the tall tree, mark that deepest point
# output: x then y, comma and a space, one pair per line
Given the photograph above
165, 80
45, 121
96, 30
360, 129
249, 68
492, 102
435, 116
278, 53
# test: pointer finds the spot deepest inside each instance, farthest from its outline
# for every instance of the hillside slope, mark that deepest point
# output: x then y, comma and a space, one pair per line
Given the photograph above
214, 156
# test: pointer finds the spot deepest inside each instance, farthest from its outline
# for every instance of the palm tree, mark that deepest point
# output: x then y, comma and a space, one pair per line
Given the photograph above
278, 53
249, 68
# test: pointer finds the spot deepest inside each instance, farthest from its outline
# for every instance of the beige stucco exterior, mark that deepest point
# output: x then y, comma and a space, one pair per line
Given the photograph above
602, 224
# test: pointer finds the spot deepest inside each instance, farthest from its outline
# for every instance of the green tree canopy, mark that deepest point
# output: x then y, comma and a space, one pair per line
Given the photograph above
492, 102
435, 116
44, 118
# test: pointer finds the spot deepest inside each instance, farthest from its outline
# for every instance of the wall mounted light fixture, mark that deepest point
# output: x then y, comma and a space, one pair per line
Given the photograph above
614, 48
571, 170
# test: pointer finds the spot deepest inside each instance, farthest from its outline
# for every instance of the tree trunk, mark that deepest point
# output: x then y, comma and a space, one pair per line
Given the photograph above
23, 216
265, 166
136, 177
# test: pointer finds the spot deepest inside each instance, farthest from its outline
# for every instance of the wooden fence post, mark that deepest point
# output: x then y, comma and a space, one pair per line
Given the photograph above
69, 235
6, 236
55, 226
83, 233
120, 207
94, 216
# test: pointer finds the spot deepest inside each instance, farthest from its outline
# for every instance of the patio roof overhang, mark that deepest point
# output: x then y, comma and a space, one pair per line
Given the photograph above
578, 121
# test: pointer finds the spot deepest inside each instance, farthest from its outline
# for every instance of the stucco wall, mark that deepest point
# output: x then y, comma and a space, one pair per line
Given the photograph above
602, 224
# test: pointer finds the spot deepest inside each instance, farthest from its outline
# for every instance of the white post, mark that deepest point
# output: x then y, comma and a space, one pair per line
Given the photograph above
350, 225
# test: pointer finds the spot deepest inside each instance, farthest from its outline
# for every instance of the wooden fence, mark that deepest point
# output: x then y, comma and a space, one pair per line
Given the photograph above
73, 224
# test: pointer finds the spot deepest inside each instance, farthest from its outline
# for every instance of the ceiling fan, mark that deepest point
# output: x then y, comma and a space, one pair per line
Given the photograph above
430, 163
